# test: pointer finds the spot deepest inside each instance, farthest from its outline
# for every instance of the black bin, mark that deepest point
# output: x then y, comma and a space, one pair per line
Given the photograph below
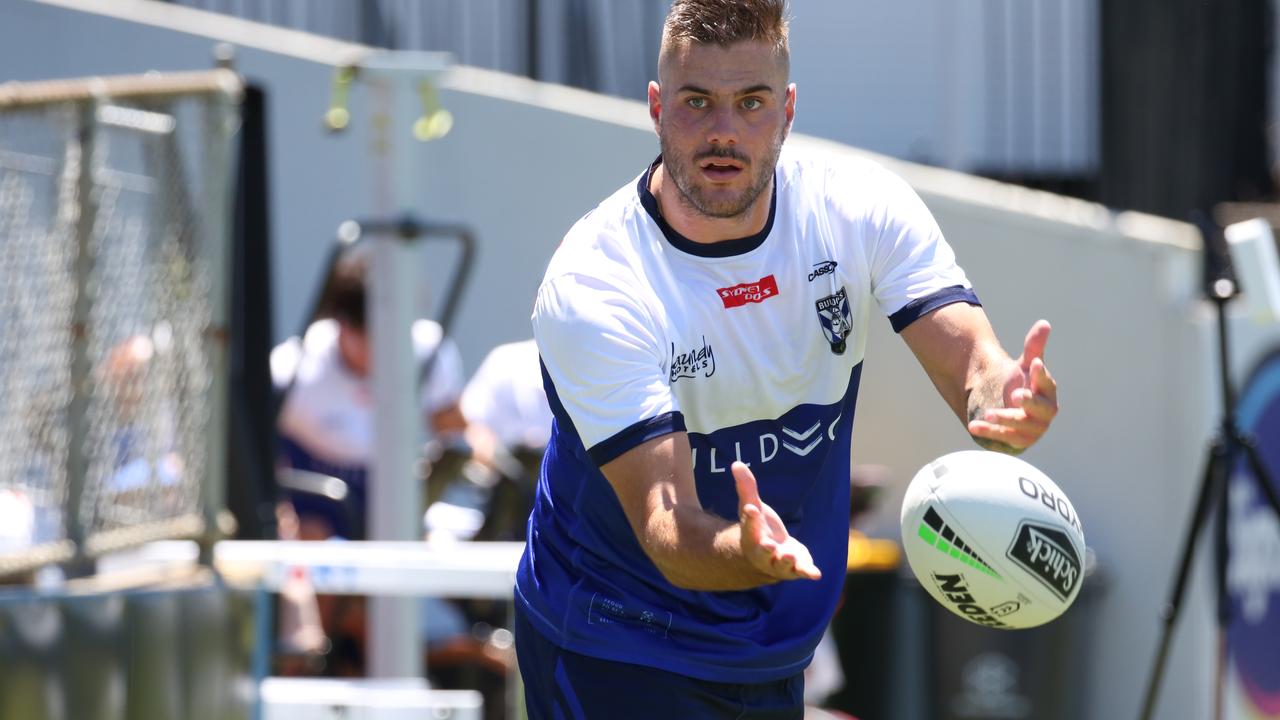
980, 673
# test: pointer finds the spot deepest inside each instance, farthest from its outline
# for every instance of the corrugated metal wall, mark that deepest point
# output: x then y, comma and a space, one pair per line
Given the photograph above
1172, 93
605, 46
1001, 87
1040, 69
1185, 96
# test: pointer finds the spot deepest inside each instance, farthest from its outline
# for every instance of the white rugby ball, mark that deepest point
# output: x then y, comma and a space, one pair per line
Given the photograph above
993, 539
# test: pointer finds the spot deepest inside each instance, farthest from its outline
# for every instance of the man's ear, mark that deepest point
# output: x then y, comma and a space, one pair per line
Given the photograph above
655, 103
789, 106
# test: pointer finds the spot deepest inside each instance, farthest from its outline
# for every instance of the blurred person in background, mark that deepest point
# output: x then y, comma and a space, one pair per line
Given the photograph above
143, 440
505, 403
325, 424
702, 333
508, 425
325, 429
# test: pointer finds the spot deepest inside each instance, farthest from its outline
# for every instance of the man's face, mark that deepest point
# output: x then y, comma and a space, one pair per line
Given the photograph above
721, 114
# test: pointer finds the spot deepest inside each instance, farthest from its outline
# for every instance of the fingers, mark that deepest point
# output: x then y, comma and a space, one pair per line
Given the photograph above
1013, 437
1018, 427
1033, 346
754, 528
789, 560
1042, 383
745, 482
797, 561
1031, 411
764, 536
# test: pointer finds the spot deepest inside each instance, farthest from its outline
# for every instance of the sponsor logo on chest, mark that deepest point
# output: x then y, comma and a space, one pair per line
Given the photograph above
752, 292
764, 447
694, 362
826, 267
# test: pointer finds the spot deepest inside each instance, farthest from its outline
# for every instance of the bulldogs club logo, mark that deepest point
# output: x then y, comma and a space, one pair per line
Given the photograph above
835, 319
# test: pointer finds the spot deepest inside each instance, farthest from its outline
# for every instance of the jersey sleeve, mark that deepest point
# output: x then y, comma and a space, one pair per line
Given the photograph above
912, 267
603, 358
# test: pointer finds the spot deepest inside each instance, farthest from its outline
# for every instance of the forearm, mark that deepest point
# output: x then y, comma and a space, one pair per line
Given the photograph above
697, 550
963, 358
692, 548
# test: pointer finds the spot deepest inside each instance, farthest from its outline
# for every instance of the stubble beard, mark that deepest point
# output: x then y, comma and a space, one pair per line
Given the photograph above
679, 168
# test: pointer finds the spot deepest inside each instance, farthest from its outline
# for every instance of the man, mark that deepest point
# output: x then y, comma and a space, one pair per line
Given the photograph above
702, 333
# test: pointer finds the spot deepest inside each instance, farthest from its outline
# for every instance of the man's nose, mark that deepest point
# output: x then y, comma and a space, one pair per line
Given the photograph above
724, 127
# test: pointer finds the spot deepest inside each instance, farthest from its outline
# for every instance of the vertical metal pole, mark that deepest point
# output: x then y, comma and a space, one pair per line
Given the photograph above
222, 118
534, 49
395, 500
78, 170
264, 634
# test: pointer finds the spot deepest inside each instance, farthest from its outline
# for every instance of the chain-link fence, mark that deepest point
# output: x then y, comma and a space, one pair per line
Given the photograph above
115, 196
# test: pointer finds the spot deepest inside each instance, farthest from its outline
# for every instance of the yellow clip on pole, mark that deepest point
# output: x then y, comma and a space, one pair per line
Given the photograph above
338, 116
435, 122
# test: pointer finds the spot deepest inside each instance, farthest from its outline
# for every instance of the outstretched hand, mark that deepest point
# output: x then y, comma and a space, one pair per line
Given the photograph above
765, 540
1030, 398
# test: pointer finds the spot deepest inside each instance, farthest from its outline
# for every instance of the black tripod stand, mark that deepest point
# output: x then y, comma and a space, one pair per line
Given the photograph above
1223, 455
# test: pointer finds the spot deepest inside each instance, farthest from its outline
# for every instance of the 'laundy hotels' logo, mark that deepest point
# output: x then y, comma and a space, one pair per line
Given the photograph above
697, 361
744, 293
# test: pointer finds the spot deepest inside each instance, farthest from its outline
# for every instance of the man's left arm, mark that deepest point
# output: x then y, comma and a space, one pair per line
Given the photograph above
1006, 403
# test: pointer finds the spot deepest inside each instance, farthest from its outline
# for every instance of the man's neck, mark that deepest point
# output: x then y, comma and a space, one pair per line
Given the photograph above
698, 227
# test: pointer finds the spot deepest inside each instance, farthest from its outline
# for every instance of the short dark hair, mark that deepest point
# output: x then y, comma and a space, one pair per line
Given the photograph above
725, 22
345, 294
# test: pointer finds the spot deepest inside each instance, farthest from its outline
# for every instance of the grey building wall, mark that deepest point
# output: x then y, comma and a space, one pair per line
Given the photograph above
1006, 87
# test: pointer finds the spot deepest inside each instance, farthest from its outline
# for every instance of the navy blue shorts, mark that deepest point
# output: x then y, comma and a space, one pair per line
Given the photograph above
561, 685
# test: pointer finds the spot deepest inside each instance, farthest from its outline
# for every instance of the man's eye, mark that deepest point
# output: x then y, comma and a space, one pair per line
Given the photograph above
697, 103
752, 104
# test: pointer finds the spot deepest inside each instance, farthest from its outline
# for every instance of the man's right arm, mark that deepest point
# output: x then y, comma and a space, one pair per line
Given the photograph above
602, 353
692, 548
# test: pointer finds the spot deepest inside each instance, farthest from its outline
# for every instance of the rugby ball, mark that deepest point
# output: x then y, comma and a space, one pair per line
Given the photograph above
993, 539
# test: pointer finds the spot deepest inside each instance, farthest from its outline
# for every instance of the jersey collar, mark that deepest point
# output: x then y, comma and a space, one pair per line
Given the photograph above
724, 248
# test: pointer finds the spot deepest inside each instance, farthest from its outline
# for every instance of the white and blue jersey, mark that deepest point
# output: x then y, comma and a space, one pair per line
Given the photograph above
754, 347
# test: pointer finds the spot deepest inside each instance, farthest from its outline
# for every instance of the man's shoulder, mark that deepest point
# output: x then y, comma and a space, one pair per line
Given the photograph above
603, 242
612, 219
847, 183
815, 168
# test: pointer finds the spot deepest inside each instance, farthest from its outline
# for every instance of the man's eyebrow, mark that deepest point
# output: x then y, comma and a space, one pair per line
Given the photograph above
753, 90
